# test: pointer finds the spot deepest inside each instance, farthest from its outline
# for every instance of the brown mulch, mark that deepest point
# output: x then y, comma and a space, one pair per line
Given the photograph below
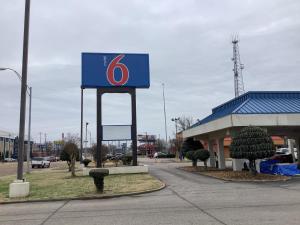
230, 175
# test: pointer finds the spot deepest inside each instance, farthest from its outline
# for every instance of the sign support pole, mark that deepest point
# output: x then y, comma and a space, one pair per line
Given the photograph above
81, 122
99, 129
133, 127
132, 92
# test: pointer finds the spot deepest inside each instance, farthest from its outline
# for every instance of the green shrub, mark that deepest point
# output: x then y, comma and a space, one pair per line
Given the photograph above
190, 145
202, 155
98, 176
252, 143
127, 159
86, 162
166, 156
191, 156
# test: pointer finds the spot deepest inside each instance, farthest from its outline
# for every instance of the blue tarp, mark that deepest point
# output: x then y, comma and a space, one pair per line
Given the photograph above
273, 167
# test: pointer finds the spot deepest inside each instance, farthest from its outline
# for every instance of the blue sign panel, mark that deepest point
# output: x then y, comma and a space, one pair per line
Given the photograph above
115, 70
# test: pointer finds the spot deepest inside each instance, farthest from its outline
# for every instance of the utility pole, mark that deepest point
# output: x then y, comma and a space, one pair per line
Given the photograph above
90, 139
40, 145
45, 136
166, 133
23, 92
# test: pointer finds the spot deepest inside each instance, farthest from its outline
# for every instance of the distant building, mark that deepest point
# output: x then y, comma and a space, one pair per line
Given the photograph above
9, 145
7, 140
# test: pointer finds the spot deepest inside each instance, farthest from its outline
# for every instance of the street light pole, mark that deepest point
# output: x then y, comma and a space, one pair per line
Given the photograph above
29, 92
29, 129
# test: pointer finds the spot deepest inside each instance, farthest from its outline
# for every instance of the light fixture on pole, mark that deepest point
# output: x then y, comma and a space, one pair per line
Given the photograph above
29, 92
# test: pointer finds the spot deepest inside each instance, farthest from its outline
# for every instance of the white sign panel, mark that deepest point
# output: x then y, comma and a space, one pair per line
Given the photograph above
116, 132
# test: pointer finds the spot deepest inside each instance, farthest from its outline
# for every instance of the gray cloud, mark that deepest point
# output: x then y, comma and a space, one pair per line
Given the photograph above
189, 43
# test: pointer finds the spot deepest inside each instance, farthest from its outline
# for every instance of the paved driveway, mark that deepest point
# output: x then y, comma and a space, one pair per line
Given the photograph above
188, 199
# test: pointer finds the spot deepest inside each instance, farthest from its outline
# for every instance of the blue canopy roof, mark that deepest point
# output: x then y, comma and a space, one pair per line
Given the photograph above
257, 102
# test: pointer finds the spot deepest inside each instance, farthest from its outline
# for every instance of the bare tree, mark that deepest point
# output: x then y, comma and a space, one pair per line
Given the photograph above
161, 144
185, 122
74, 138
72, 150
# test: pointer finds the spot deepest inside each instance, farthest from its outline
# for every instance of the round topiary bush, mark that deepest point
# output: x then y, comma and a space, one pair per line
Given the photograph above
189, 146
202, 155
98, 175
252, 143
190, 155
86, 162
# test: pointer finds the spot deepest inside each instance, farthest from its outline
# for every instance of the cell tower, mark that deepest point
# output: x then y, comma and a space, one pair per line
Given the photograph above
237, 69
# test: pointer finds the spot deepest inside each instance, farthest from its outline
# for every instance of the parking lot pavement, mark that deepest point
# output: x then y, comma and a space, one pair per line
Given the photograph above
10, 168
187, 199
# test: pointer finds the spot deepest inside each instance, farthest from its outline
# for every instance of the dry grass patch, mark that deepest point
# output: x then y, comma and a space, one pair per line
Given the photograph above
230, 175
59, 185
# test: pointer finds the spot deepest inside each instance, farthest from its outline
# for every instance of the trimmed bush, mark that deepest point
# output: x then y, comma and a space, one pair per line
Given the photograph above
126, 160
202, 155
86, 162
191, 156
252, 143
166, 156
189, 146
98, 176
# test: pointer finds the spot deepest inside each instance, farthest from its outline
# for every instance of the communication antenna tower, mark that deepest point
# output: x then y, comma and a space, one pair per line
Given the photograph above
237, 68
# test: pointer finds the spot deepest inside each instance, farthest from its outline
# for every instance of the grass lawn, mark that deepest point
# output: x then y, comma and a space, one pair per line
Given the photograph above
58, 184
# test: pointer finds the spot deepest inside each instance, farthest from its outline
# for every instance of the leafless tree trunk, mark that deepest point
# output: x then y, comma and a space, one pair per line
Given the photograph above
185, 122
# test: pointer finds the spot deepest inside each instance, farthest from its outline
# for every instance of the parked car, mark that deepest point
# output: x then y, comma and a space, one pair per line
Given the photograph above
52, 159
10, 160
283, 155
40, 162
286, 151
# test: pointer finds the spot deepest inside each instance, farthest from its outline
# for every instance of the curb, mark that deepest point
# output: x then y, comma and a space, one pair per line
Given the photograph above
87, 198
234, 180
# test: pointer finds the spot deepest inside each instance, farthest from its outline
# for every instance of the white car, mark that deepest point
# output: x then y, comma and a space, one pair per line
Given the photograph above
286, 151
10, 160
40, 162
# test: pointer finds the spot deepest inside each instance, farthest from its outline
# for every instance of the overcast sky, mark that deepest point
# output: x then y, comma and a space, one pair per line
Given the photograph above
189, 43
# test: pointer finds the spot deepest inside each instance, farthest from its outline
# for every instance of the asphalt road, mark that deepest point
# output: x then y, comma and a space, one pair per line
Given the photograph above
187, 199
